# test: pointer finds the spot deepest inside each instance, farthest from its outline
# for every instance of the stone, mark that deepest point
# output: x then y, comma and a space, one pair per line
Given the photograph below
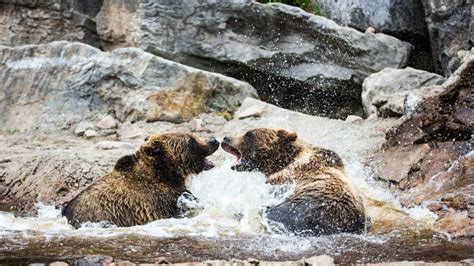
323, 260
196, 125
294, 59
395, 17
110, 145
90, 133
107, 122
35, 22
396, 92
370, 30
252, 111
130, 83
451, 29
394, 164
353, 119
445, 116
82, 127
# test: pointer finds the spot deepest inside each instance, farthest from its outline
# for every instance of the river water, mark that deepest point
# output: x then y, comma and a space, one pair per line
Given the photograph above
227, 223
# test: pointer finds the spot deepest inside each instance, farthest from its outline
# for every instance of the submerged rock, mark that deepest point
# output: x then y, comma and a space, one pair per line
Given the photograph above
35, 22
294, 59
52, 86
396, 92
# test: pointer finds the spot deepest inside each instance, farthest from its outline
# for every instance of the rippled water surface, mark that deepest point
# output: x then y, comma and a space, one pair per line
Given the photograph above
227, 223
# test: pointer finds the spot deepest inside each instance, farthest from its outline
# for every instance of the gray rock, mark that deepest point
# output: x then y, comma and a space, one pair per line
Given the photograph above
451, 28
295, 59
90, 133
82, 127
107, 122
49, 87
34, 22
391, 16
396, 92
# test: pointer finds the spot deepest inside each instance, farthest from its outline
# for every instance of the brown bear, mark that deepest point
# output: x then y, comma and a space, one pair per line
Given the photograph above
323, 202
144, 186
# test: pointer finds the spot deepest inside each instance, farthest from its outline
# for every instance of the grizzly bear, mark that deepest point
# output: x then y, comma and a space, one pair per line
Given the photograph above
323, 201
144, 186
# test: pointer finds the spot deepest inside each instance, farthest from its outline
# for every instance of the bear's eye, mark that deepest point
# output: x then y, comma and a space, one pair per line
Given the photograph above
193, 144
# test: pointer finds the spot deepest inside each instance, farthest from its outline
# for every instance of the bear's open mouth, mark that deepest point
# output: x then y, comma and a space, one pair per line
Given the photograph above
234, 151
208, 164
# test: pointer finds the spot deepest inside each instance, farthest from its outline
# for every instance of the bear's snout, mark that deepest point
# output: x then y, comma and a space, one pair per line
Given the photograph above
213, 145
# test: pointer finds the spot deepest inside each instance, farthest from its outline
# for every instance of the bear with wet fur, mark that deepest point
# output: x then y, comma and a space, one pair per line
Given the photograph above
323, 202
144, 186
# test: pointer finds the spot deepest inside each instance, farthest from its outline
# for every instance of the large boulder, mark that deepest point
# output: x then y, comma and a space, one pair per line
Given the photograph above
34, 22
54, 86
429, 156
395, 92
294, 59
451, 29
404, 20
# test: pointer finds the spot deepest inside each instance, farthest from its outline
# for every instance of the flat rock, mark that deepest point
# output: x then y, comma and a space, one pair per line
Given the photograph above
107, 122
396, 92
294, 59
130, 83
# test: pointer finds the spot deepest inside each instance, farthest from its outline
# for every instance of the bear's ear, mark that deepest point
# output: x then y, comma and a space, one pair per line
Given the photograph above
146, 138
151, 149
288, 136
125, 163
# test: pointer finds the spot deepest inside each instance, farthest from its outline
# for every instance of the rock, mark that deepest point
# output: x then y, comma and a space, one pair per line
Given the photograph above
396, 92
353, 119
110, 145
404, 20
35, 22
196, 124
395, 17
446, 116
294, 59
131, 84
394, 164
107, 122
90, 133
323, 260
252, 111
82, 127
444, 173
451, 28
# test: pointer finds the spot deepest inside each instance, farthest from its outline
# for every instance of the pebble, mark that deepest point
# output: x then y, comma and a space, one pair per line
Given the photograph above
82, 127
354, 119
370, 30
90, 133
107, 122
110, 145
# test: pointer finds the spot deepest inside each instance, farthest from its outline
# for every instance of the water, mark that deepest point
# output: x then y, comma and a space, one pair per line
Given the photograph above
227, 223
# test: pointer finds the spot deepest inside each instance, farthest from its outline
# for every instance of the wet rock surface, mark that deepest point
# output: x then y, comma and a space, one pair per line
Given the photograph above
34, 22
429, 156
396, 92
53, 86
294, 59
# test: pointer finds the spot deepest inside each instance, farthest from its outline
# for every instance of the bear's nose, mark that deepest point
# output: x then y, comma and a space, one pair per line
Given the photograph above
226, 140
213, 142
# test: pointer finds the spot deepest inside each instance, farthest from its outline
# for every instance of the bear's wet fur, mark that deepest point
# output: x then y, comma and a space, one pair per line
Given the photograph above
144, 186
323, 202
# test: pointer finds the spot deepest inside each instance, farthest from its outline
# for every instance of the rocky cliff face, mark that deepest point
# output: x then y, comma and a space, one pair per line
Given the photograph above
34, 22
294, 59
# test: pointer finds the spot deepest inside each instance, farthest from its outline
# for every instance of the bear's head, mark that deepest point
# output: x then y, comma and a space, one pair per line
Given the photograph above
180, 153
262, 149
